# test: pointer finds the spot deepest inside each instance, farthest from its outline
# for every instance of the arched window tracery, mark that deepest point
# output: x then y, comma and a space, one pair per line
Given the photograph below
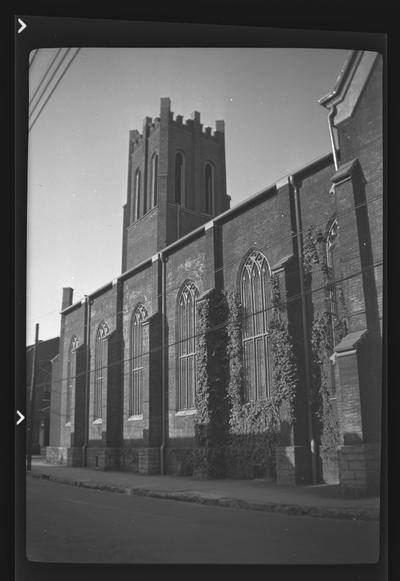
136, 361
137, 203
179, 178
71, 365
154, 179
255, 294
100, 369
209, 188
332, 267
186, 318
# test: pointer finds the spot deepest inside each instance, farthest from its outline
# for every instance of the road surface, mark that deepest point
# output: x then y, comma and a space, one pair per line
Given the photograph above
77, 525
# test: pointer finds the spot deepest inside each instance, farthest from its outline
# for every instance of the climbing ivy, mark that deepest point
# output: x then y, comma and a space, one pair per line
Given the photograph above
322, 384
262, 416
211, 362
284, 367
327, 330
202, 381
310, 252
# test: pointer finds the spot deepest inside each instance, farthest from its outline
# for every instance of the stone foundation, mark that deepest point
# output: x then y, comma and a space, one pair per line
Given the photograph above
291, 465
149, 461
359, 468
130, 459
330, 465
75, 457
254, 460
180, 461
208, 463
57, 454
103, 458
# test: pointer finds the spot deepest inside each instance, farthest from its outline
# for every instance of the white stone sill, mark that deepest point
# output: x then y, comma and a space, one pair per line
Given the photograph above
135, 418
185, 412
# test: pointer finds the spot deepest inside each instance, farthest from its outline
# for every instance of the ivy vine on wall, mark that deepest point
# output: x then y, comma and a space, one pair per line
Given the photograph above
211, 362
262, 416
285, 374
202, 384
327, 330
229, 430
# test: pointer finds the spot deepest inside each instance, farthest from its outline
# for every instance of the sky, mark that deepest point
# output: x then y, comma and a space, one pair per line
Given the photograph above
78, 146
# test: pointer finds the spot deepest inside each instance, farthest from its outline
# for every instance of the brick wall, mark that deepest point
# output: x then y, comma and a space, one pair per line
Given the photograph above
186, 263
142, 239
265, 226
138, 289
360, 136
215, 258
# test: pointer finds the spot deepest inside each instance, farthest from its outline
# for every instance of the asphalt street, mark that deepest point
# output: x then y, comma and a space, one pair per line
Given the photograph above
76, 525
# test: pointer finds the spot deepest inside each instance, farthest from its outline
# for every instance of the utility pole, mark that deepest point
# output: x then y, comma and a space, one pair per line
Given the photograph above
32, 400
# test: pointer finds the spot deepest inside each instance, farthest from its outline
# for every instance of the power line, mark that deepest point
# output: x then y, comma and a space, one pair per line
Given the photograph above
292, 235
33, 56
54, 88
273, 243
44, 77
220, 326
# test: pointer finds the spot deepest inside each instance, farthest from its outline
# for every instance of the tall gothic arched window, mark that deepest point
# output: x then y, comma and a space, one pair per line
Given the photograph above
154, 179
136, 383
71, 365
179, 178
209, 189
255, 295
186, 319
137, 205
100, 369
331, 262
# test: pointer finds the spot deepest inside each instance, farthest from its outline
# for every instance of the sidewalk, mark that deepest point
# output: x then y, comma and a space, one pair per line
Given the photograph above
320, 500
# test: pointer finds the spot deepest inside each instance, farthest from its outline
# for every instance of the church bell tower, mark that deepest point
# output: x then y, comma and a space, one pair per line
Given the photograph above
176, 182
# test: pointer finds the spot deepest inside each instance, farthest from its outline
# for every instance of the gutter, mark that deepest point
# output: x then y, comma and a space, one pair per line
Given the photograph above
271, 189
305, 331
87, 379
163, 363
331, 115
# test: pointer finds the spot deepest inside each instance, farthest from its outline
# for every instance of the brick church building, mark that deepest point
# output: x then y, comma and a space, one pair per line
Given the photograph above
238, 342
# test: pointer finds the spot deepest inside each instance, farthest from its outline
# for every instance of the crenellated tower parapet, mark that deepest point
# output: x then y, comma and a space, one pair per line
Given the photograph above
176, 181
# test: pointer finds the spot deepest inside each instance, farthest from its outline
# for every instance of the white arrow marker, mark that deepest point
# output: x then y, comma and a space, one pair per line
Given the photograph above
23, 25
21, 417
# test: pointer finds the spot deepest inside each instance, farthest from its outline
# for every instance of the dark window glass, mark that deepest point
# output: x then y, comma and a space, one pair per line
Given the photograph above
209, 193
187, 346
71, 364
254, 297
137, 195
331, 260
154, 179
100, 370
179, 178
136, 383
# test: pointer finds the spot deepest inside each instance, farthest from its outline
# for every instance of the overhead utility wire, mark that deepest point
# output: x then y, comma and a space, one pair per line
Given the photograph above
34, 55
41, 96
225, 323
282, 238
44, 77
271, 245
54, 88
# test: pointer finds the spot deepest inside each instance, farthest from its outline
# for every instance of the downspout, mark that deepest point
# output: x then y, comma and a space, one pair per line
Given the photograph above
178, 222
87, 380
331, 114
163, 363
305, 331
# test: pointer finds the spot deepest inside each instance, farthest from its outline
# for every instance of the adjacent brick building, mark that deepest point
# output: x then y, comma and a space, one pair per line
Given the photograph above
46, 352
237, 342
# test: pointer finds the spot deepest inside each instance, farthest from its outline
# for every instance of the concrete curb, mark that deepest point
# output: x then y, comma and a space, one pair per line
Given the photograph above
222, 501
